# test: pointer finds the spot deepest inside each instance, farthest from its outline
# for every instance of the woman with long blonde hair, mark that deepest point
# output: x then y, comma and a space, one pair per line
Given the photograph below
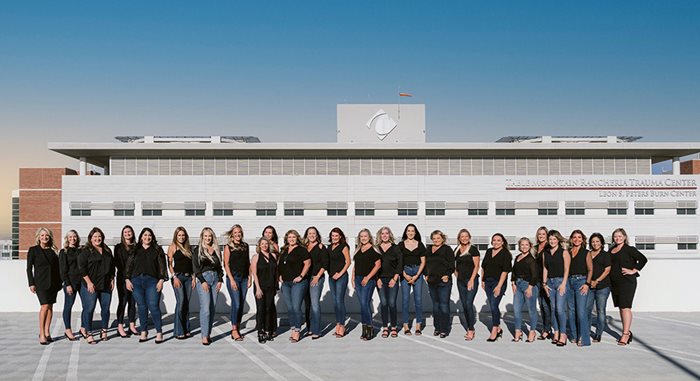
70, 276
540, 246
183, 281
364, 278
294, 265
206, 263
626, 262
389, 277
467, 259
44, 279
525, 281
238, 280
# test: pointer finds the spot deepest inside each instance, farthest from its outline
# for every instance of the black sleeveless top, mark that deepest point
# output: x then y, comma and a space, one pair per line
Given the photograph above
182, 264
336, 258
239, 260
554, 263
578, 263
266, 271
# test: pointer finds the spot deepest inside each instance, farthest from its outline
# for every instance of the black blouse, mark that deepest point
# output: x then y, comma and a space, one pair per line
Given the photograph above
68, 264
98, 267
600, 262
336, 257
181, 263
440, 263
365, 261
412, 257
320, 259
554, 263
392, 261
150, 261
464, 264
578, 263
628, 257
527, 269
239, 260
291, 264
203, 264
266, 271
43, 270
495, 265
121, 256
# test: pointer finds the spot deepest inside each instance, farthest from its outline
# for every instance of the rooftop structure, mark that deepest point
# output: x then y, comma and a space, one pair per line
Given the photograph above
568, 139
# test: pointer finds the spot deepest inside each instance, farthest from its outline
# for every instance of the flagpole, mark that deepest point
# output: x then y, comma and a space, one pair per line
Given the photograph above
398, 91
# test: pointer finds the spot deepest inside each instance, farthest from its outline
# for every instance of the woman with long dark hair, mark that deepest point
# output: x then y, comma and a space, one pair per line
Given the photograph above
70, 276
413, 256
122, 251
555, 278
237, 266
364, 279
206, 263
183, 281
44, 279
263, 269
580, 274
494, 274
600, 285
543, 297
96, 265
388, 282
626, 262
467, 258
270, 233
317, 276
339, 262
146, 271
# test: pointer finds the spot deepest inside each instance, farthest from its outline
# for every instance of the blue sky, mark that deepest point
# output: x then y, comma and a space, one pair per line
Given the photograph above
87, 71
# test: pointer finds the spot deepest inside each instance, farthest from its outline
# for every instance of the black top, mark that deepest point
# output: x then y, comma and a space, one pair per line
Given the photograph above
68, 264
336, 258
320, 259
121, 255
440, 263
412, 257
526, 268
464, 264
239, 260
392, 261
149, 262
578, 263
291, 264
181, 263
98, 267
628, 257
539, 258
203, 264
554, 263
266, 271
600, 262
495, 265
365, 261
43, 268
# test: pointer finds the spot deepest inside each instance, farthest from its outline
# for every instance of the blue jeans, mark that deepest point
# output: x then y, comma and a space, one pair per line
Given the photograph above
237, 297
519, 299
494, 302
387, 302
89, 301
579, 327
364, 294
466, 297
68, 301
546, 310
147, 299
440, 295
315, 293
558, 303
293, 294
183, 295
207, 302
599, 297
338, 290
417, 295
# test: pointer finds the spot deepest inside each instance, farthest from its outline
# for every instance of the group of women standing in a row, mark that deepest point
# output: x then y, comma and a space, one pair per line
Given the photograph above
567, 279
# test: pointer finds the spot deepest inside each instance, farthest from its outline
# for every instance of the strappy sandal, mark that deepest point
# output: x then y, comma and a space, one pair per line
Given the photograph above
406, 330
418, 331
103, 335
385, 332
394, 332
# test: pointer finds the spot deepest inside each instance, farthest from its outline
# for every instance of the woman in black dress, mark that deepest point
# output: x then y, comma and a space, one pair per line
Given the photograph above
439, 266
543, 298
44, 279
626, 262
467, 258
70, 276
182, 271
494, 274
96, 265
122, 251
270, 233
388, 282
263, 268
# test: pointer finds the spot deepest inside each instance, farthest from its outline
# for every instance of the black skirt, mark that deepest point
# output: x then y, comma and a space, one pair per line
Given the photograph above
622, 290
46, 296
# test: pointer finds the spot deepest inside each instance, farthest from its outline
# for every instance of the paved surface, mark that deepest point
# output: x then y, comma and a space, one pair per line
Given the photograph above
664, 348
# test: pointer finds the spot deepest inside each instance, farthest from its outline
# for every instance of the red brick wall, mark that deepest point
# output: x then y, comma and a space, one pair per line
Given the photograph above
690, 167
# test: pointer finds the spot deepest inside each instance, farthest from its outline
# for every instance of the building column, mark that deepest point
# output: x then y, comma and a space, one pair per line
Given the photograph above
105, 169
676, 165
83, 166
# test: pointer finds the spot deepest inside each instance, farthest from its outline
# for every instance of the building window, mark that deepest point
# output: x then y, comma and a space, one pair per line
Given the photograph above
336, 212
223, 212
407, 212
617, 211
477, 212
646, 246
364, 212
294, 212
643, 211
265, 212
80, 212
687, 246
546, 212
685, 211
575, 212
505, 212
194, 212
152, 212
435, 212
123, 212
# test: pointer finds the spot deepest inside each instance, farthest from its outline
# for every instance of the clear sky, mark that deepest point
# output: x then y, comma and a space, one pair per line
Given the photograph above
88, 71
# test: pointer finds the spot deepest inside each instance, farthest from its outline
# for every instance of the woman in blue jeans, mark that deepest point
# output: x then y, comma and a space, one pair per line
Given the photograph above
293, 266
554, 279
96, 265
206, 263
495, 267
580, 275
600, 285
146, 271
413, 254
339, 262
439, 266
364, 279
238, 280
317, 276
388, 282
180, 262
525, 281
70, 276
467, 258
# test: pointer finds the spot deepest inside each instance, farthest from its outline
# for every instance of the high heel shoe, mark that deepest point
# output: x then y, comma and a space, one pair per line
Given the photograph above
629, 339
261, 338
103, 335
69, 338
498, 335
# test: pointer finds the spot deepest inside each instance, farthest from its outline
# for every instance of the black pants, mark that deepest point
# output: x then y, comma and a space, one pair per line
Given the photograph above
266, 315
126, 301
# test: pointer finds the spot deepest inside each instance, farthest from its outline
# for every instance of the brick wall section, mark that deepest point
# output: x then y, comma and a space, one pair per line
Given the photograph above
40, 204
690, 167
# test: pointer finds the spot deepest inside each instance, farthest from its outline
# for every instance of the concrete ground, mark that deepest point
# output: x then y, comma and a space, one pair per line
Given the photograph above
664, 348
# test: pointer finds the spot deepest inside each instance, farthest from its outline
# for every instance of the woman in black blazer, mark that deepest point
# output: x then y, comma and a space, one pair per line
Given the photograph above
70, 276
44, 279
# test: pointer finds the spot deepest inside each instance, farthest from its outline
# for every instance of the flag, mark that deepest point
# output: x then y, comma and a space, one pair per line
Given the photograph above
405, 95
